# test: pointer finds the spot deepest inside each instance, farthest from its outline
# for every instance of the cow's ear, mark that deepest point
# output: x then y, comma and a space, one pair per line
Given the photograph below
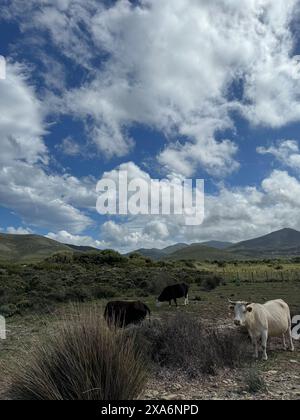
249, 309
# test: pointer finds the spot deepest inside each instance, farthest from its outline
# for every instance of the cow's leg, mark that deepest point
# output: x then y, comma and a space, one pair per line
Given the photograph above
186, 300
292, 347
254, 341
255, 344
284, 342
175, 301
170, 303
264, 342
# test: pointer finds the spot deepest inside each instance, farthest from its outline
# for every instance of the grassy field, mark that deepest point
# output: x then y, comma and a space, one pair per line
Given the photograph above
141, 279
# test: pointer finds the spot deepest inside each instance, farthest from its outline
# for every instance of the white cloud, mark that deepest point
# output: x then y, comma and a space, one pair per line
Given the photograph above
181, 67
127, 237
21, 119
69, 147
26, 184
46, 200
286, 151
78, 240
232, 214
18, 231
172, 66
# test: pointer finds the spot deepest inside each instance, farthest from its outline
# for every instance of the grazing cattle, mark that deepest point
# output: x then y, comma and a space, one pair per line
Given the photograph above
173, 293
273, 319
121, 314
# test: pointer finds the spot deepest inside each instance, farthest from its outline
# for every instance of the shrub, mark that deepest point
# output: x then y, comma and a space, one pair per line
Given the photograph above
211, 283
254, 381
108, 257
182, 342
82, 360
104, 292
221, 264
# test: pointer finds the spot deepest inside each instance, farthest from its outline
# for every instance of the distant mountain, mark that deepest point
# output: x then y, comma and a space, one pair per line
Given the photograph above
217, 244
154, 253
173, 248
200, 252
158, 254
28, 247
285, 242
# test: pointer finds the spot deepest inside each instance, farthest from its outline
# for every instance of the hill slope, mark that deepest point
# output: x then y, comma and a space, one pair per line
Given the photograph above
202, 253
217, 244
18, 248
285, 242
154, 253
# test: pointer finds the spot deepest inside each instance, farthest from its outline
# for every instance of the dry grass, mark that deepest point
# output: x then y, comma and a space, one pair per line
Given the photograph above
182, 342
82, 360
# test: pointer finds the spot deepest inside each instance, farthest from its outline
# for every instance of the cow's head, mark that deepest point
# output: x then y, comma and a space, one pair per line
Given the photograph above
241, 310
162, 298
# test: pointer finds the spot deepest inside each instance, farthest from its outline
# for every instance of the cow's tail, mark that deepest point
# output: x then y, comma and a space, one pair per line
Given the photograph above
106, 313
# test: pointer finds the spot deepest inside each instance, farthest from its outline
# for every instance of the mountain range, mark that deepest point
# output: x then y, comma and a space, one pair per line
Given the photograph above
283, 243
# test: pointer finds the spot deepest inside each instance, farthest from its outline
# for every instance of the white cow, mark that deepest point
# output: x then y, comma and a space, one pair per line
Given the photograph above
273, 319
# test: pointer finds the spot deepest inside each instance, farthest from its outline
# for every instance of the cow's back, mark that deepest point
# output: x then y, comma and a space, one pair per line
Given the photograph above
278, 315
123, 313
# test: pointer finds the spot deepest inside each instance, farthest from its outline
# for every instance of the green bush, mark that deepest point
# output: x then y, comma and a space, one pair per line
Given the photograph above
211, 283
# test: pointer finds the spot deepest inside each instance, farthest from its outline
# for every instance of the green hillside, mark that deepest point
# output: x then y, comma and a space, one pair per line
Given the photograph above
285, 242
19, 248
202, 253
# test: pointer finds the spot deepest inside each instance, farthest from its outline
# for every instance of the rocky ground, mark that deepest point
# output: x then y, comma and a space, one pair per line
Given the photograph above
280, 376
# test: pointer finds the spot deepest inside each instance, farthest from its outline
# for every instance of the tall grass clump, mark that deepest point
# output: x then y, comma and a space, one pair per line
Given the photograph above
254, 382
183, 342
82, 360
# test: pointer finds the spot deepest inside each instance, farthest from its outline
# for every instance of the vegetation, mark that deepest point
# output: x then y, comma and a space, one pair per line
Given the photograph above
182, 342
90, 276
254, 381
82, 360
23, 248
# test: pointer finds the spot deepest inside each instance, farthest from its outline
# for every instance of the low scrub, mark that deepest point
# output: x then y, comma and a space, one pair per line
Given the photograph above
83, 360
183, 342
254, 381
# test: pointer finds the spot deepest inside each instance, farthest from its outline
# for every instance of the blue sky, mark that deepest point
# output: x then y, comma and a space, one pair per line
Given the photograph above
181, 89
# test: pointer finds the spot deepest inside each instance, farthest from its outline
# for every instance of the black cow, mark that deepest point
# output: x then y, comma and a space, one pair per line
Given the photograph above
175, 292
121, 314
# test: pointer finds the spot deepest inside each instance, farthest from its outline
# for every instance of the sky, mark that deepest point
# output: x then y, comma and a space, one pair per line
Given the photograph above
164, 90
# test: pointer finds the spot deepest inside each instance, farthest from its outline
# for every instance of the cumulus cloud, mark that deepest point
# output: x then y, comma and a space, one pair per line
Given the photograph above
286, 151
18, 231
26, 186
46, 200
231, 214
69, 147
21, 119
128, 236
78, 240
181, 67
